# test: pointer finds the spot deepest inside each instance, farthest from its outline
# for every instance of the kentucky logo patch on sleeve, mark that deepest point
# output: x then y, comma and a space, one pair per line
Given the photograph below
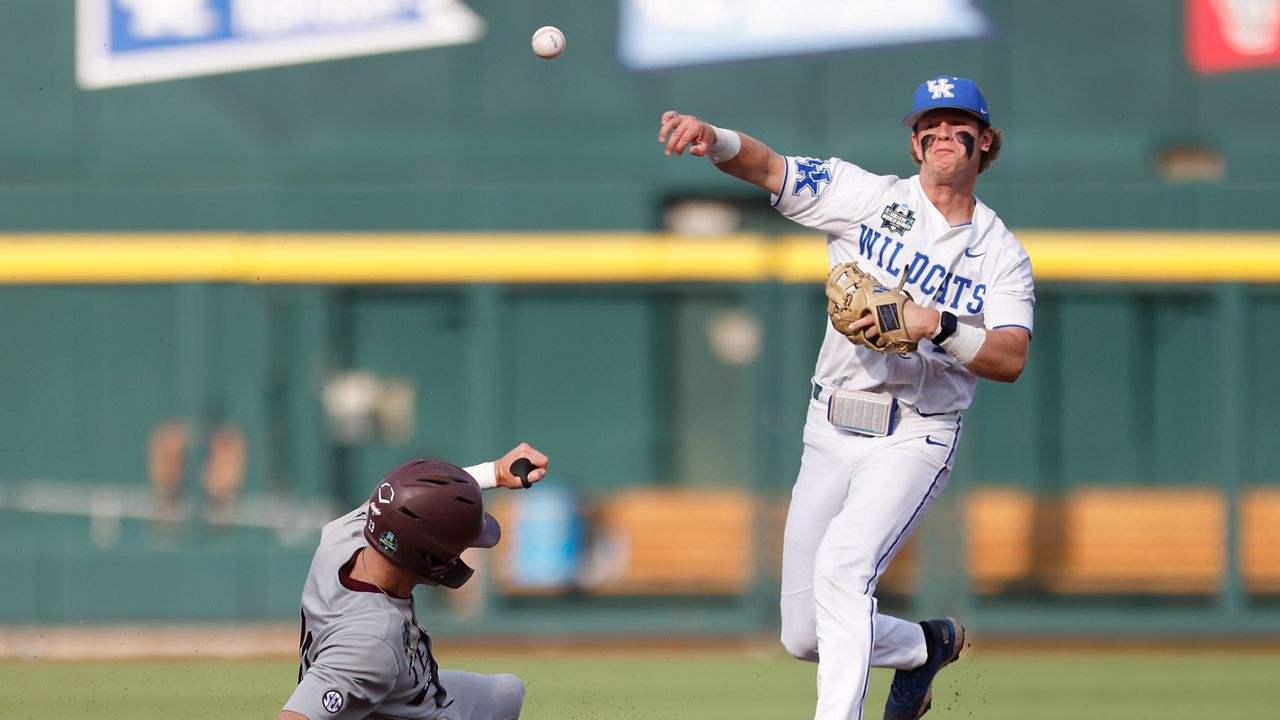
811, 174
898, 217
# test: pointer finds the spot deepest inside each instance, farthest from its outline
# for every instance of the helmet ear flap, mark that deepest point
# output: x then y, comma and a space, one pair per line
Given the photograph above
453, 574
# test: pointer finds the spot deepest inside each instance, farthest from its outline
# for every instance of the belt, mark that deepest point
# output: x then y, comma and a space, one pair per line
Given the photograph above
818, 390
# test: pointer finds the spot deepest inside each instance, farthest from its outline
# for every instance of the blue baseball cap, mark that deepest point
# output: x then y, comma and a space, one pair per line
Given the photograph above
947, 91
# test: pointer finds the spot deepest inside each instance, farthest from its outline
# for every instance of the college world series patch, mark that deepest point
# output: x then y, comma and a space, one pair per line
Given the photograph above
388, 542
898, 217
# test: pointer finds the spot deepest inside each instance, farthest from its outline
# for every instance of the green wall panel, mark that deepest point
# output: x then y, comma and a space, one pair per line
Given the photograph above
415, 337
39, 138
999, 444
89, 371
590, 384
1100, 419
1263, 388
1181, 393
711, 397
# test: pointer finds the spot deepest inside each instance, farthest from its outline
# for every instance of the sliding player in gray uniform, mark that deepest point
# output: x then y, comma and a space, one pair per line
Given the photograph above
858, 496
363, 653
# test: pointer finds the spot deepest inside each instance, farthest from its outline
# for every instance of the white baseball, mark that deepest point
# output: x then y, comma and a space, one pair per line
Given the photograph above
548, 42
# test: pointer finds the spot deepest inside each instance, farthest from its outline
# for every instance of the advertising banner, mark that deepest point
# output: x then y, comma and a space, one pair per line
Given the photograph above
122, 42
658, 34
1226, 35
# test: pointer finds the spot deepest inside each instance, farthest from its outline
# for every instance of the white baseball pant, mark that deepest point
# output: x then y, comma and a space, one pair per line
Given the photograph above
855, 502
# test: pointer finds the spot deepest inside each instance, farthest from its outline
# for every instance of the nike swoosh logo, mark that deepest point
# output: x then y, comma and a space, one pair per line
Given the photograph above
972, 255
929, 439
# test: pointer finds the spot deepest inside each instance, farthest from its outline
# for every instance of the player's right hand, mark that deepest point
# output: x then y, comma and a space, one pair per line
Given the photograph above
681, 132
502, 466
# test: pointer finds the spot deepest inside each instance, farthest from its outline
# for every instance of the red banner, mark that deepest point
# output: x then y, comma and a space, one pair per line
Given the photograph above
1225, 35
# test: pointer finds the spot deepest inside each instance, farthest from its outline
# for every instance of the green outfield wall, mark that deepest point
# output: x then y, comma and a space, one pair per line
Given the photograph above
617, 367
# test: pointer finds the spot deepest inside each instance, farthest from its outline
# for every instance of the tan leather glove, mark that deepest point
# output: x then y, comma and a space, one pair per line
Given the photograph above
852, 293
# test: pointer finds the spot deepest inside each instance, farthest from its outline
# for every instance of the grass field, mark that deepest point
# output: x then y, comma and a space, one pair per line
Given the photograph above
687, 684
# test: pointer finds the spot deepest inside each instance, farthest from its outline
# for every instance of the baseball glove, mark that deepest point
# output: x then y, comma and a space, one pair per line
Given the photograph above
852, 293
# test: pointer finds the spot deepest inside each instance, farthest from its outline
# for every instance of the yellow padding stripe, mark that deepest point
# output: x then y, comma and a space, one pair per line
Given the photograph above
584, 258
382, 258
1154, 257
1118, 257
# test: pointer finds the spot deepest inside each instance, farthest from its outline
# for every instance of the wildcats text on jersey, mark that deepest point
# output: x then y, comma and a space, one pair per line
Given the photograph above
933, 279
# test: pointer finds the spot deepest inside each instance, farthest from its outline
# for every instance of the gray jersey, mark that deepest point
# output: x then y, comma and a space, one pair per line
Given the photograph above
363, 653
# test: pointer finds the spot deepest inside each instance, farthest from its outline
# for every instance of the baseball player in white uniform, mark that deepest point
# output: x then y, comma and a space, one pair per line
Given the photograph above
858, 496
363, 652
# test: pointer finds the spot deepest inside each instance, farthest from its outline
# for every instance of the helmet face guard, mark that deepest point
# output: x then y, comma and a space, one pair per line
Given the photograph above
423, 515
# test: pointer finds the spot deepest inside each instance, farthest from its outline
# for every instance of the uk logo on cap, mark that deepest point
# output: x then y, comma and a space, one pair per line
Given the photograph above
940, 88
947, 91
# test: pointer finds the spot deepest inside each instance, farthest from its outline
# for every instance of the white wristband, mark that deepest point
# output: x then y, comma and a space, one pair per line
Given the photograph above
725, 147
965, 343
485, 475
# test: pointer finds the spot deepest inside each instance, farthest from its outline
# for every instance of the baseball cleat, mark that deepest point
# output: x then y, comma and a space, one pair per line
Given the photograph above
912, 691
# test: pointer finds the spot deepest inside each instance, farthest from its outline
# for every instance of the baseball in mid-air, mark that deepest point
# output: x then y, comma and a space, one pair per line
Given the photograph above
548, 42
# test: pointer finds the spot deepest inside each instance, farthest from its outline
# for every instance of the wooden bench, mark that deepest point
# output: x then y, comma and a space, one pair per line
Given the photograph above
1135, 540
668, 541
1124, 540
690, 541
1260, 540
648, 541
998, 524
1142, 540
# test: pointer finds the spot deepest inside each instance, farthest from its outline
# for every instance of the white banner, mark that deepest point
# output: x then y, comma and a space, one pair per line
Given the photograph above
670, 33
122, 42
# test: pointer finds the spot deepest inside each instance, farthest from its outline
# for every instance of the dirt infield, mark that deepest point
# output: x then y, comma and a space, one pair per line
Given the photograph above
270, 641
111, 642
279, 640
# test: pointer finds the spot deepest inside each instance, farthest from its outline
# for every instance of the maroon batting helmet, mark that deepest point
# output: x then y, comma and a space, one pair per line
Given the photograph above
424, 514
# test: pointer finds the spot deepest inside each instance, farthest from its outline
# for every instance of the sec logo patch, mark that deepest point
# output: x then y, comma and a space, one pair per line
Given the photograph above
332, 701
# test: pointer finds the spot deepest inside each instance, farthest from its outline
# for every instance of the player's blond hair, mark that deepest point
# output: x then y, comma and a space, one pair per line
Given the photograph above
988, 157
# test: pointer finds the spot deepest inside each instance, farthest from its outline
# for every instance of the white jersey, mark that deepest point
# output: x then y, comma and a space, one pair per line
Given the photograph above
363, 653
978, 271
